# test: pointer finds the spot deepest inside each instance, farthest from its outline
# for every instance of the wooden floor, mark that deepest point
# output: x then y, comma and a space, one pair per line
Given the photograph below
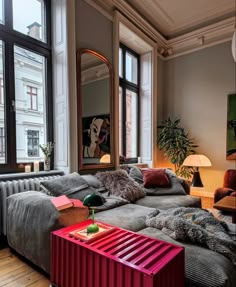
14, 272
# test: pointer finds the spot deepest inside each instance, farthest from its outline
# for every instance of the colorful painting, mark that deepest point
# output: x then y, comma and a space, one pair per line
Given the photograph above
231, 127
96, 136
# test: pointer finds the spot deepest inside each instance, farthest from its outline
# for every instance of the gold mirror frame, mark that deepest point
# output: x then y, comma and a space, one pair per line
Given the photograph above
81, 164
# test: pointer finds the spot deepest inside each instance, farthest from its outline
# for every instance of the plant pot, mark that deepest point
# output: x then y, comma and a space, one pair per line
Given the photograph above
47, 162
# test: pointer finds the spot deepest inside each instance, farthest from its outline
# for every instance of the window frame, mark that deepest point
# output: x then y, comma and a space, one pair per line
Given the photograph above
127, 85
10, 38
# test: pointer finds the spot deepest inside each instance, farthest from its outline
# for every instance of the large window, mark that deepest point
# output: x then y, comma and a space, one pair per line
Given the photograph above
25, 81
128, 103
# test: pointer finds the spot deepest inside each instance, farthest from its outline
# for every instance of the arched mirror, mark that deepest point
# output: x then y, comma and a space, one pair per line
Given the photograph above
95, 110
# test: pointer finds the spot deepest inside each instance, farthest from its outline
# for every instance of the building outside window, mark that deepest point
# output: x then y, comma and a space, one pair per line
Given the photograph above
2, 143
32, 94
33, 143
128, 103
25, 79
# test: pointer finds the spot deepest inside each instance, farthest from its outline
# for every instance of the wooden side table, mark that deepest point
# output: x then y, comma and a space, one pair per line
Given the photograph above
207, 198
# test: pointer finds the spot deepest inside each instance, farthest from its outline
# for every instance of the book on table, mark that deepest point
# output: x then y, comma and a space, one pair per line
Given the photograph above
63, 202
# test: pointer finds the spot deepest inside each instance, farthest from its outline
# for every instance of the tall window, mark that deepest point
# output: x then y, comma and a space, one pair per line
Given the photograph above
32, 94
33, 143
2, 143
128, 102
25, 58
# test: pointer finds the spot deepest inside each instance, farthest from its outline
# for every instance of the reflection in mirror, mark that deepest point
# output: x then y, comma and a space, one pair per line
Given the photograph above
94, 105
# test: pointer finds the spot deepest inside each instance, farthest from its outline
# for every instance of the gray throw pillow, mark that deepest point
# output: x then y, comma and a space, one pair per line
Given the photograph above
175, 189
72, 185
118, 183
112, 201
93, 181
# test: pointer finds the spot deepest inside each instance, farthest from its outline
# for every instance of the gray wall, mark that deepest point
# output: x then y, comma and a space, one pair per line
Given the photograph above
96, 98
93, 30
195, 89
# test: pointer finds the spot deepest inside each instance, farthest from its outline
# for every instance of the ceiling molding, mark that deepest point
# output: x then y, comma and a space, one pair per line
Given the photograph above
210, 35
94, 74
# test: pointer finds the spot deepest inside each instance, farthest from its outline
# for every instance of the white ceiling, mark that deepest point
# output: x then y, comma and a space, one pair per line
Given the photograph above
176, 17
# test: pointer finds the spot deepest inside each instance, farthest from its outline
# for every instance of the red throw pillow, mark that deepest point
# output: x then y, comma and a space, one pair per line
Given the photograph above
155, 178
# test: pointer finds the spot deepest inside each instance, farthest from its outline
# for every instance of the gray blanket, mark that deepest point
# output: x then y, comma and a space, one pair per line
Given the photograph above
197, 226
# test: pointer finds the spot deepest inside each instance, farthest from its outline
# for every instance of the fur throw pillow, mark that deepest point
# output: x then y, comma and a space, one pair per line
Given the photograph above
118, 183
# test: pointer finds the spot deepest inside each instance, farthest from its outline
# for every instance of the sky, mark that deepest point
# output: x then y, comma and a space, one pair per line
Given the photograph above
25, 12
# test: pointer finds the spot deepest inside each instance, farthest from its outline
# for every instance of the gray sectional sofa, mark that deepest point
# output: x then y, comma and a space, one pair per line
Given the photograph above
31, 218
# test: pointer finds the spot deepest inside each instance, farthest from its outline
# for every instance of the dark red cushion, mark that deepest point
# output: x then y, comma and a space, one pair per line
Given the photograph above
153, 177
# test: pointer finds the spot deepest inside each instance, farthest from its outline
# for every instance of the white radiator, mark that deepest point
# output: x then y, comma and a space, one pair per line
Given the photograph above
15, 186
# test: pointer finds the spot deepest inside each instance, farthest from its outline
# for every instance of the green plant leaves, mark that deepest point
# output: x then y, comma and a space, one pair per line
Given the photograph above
176, 144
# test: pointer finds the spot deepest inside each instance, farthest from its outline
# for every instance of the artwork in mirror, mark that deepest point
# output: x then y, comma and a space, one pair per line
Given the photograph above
95, 92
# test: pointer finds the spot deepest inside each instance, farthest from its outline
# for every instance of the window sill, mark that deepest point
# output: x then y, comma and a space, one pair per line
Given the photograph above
22, 175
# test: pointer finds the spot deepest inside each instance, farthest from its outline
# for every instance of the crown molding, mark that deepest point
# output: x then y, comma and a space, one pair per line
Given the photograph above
198, 39
94, 74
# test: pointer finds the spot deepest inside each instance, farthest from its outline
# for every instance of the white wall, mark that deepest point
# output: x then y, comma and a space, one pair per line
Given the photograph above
195, 90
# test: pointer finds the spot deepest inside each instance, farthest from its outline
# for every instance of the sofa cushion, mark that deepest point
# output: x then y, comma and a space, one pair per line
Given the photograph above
112, 201
72, 185
118, 183
93, 181
130, 216
176, 187
153, 177
166, 201
203, 267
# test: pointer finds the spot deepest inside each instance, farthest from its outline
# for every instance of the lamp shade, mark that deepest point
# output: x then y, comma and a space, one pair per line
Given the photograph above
92, 200
106, 158
197, 160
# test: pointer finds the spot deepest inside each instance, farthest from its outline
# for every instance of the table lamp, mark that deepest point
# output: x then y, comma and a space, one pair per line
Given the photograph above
92, 200
197, 160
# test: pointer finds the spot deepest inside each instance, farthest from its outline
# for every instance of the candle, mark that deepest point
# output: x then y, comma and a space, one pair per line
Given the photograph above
27, 168
36, 166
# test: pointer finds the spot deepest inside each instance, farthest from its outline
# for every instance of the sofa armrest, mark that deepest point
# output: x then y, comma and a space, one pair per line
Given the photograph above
222, 192
31, 217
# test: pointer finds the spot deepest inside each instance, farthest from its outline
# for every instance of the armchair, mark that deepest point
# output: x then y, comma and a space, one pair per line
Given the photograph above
229, 185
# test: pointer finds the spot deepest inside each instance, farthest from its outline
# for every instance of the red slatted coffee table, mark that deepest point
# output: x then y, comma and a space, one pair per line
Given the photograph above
119, 258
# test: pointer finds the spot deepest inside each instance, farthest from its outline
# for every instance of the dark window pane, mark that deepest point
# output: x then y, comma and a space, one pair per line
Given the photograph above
31, 19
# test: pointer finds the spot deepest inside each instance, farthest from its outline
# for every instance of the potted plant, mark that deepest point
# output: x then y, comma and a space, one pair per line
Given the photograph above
47, 150
177, 145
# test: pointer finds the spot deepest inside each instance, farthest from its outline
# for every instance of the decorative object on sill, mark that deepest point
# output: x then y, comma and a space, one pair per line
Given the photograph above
106, 158
177, 145
231, 128
27, 168
47, 150
197, 160
234, 46
92, 200
36, 166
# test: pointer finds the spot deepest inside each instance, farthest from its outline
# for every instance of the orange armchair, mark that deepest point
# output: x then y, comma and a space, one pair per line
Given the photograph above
229, 185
